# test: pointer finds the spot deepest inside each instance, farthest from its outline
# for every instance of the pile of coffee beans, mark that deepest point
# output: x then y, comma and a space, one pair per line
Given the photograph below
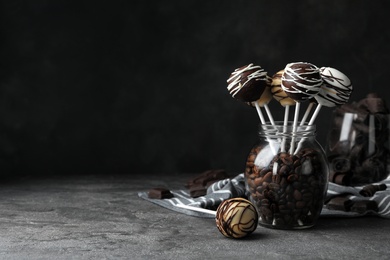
289, 190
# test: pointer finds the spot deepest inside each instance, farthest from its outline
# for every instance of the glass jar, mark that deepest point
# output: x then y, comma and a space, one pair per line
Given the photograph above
286, 176
358, 146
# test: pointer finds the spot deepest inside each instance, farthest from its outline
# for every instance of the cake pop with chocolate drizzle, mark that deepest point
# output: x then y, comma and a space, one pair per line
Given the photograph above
301, 81
251, 84
335, 90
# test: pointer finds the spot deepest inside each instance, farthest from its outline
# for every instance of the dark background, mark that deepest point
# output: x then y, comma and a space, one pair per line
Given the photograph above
140, 86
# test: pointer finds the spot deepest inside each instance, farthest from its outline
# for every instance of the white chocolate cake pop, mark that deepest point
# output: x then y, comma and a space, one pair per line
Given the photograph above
236, 218
301, 81
277, 92
336, 89
247, 83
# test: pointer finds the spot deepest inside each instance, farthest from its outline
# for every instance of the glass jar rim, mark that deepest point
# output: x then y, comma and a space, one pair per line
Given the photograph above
280, 129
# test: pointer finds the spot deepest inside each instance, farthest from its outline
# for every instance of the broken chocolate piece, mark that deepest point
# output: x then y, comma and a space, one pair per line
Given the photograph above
370, 190
198, 190
160, 193
362, 206
207, 177
199, 184
341, 178
342, 203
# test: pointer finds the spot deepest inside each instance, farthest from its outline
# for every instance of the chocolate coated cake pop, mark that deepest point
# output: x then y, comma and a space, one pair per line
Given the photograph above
247, 83
301, 81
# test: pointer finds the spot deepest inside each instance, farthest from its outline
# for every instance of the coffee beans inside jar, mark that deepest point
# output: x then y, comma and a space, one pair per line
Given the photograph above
288, 189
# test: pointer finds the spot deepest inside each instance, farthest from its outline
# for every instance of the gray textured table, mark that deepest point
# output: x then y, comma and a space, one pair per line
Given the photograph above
101, 217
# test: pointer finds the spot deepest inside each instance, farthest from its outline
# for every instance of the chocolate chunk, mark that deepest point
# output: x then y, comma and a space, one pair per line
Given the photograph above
370, 190
197, 190
373, 105
342, 203
362, 206
207, 178
160, 193
341, 178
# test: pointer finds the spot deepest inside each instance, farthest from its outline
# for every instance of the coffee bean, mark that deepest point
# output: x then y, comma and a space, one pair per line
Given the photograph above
272, 195
276, 178
292, 178
300, 204
289, 189
268, 177
266, 211
297, 184
250, 182
264, 171
298, 169
265, 202
287, 160
283, 182
307, 196
274, 186
290, 205
283, 170
297, 195
258, 181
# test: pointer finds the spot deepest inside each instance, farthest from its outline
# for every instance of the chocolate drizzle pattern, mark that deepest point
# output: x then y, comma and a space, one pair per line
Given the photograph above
277, 91
236, 218
336, 89
301, 80
248, 83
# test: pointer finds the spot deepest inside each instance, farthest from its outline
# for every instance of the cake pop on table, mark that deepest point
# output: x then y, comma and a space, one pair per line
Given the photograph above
234, 217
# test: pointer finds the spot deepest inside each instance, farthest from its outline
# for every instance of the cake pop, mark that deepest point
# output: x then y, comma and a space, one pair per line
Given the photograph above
247, 83
301, 81
250, 84
263, 101
277, 91
280, 95
236, 218
335, 90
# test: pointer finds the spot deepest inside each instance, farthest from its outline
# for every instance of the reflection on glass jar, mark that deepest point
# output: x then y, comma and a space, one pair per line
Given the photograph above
286, 176
358, 146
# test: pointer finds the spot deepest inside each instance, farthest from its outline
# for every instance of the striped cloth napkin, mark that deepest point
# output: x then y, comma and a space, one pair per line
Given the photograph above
235, 187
